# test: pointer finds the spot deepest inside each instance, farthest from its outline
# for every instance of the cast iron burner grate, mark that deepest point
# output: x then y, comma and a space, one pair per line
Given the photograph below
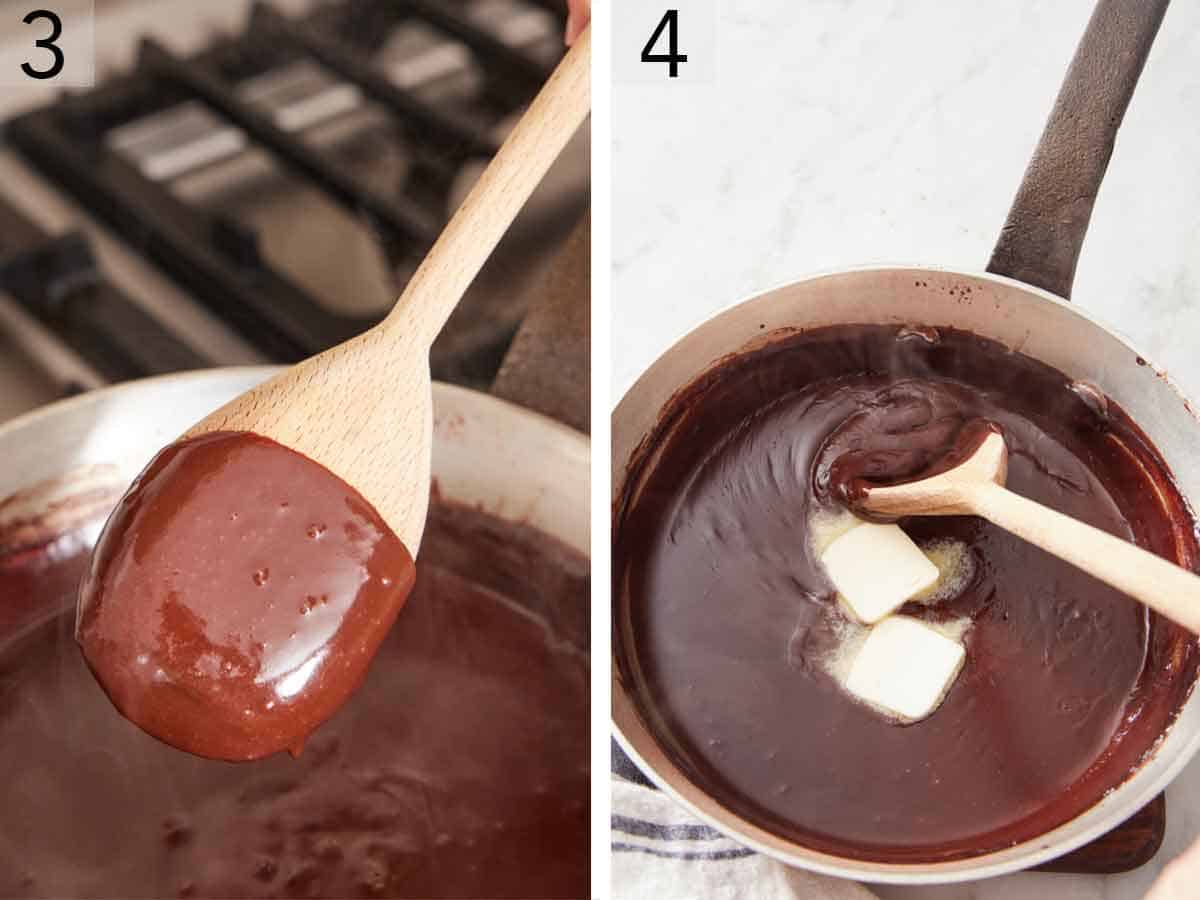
91, 145
57, 280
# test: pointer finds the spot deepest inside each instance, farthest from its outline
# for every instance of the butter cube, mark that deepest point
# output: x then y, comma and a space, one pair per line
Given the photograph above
905, 668
876, 569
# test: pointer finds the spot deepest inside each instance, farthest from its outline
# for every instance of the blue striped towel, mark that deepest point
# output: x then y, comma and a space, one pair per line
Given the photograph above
660, 853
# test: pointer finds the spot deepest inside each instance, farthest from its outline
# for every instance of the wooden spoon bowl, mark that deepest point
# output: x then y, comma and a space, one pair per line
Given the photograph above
975, 486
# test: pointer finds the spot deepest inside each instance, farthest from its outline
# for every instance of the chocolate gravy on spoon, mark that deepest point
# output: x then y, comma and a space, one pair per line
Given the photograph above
237, 596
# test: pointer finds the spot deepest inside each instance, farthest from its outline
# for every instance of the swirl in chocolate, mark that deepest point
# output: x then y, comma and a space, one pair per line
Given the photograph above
903, 437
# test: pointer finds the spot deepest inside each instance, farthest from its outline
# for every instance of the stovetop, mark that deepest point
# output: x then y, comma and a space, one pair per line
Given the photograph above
264, 193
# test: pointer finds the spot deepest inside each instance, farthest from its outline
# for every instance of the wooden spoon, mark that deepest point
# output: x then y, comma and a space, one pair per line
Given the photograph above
976, 487
363, 409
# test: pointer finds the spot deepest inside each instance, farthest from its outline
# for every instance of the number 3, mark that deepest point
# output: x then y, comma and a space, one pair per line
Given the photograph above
47, 43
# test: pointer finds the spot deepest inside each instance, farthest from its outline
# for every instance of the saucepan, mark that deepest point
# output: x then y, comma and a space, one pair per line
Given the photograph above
1020, 301
488, 453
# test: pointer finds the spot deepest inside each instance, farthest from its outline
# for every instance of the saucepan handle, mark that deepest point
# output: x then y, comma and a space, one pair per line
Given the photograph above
547, 366
1042, 236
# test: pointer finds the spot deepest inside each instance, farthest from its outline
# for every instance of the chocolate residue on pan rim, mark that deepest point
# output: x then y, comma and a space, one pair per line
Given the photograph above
641, 462
43, 512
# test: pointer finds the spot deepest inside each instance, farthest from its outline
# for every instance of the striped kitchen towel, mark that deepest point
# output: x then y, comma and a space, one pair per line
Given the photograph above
660, 852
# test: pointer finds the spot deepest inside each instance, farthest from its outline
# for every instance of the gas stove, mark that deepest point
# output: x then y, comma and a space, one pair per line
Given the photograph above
254, 183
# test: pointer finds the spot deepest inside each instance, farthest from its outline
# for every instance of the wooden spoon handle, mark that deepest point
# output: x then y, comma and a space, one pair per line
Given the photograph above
489, 209
1161, 585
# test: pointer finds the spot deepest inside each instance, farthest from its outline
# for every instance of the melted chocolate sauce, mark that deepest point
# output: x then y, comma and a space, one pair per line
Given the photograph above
237, 596
724, 615
458, 769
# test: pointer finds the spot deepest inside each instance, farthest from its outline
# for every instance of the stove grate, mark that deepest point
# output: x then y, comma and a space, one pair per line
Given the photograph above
57, 283
217, 257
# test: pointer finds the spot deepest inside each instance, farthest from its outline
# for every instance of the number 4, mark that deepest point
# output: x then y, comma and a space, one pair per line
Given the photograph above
670, 22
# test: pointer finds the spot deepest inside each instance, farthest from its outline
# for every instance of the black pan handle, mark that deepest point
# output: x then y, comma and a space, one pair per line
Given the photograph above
1044, 232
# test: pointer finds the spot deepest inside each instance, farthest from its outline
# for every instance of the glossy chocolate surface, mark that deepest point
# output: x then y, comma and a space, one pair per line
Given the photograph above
458, 770
723, 614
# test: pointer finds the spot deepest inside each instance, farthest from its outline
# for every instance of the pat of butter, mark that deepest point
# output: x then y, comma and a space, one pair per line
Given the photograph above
876, 569
905, 668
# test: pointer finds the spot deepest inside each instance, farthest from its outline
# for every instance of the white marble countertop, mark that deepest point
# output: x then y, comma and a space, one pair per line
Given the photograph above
843, 133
